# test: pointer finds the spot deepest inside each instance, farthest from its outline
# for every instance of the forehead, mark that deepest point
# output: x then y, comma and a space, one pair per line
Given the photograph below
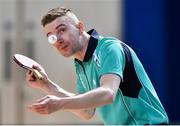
50, 27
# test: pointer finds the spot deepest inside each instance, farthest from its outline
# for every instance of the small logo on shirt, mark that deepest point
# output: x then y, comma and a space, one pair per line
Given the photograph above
96, 59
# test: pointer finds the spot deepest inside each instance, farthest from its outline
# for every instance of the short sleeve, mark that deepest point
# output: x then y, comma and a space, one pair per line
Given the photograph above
112, 59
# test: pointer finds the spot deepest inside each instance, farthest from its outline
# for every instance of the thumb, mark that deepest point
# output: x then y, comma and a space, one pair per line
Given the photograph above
40, 69
41, 99
36, 67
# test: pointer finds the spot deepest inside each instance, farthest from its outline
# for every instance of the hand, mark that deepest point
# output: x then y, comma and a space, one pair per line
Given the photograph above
33, 81
46, 105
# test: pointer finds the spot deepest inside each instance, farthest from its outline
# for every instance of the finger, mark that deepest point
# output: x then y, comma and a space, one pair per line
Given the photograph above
42, 99
41, 70
36, 67
29, 72
41, 104
37, 108
31, 75
39, 111
42, 112
31, 78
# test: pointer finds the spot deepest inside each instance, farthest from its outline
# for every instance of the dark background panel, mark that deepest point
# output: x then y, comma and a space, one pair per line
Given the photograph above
151, 28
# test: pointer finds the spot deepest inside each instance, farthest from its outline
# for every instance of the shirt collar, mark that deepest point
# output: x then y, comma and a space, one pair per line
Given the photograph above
93, 41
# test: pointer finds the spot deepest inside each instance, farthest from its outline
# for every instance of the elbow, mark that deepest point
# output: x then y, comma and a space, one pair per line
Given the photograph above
87, 118
110, 96
89, 114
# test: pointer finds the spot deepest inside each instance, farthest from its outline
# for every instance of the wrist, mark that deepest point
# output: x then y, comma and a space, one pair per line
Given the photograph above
62, 103
46, 86
51, 88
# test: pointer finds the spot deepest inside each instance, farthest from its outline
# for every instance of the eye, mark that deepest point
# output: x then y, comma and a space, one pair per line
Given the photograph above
61, 30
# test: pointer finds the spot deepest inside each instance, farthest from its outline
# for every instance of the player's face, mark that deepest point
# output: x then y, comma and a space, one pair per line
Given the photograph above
68, 35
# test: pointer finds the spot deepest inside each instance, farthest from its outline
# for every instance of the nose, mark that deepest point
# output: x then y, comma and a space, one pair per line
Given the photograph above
59, 39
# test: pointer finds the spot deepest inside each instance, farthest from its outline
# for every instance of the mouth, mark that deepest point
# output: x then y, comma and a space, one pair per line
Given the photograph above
64, 47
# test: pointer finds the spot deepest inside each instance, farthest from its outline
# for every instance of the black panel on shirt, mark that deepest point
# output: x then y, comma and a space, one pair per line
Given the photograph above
131, 85
93, 41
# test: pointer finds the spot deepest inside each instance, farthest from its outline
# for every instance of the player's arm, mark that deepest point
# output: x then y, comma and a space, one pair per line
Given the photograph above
54, 89
103, 95
51, 88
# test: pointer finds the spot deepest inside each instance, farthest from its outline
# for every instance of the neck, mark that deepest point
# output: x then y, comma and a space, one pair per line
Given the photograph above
84, 42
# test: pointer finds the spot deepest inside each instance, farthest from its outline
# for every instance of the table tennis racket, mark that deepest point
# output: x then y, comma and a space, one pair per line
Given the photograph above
28, 63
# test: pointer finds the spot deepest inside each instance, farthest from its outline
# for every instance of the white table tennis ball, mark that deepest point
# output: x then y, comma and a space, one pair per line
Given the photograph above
52, 39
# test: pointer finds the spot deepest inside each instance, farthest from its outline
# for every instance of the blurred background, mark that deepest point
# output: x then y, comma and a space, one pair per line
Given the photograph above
150, 27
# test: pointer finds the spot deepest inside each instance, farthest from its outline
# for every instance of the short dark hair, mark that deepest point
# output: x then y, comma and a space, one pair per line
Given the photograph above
53, 14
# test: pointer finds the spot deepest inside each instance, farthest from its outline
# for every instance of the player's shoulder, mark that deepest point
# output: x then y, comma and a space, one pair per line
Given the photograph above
105, 40
109, 43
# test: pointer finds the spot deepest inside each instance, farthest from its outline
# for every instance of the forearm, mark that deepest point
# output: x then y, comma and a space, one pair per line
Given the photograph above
53, 89
82, 104
92, 99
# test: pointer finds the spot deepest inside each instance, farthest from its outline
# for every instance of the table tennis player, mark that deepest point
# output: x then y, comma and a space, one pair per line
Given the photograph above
110, 78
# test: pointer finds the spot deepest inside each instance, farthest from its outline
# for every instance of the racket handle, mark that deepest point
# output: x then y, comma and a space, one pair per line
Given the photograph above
37, 74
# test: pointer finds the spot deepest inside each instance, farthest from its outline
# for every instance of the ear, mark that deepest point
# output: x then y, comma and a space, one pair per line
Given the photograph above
80, 27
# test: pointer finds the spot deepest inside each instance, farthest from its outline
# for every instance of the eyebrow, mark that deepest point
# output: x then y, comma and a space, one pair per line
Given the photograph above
60, 25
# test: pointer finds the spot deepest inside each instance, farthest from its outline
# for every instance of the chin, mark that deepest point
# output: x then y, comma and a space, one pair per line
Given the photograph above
66, 55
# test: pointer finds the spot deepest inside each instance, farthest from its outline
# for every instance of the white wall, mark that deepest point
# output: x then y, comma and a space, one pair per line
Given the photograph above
104, 15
